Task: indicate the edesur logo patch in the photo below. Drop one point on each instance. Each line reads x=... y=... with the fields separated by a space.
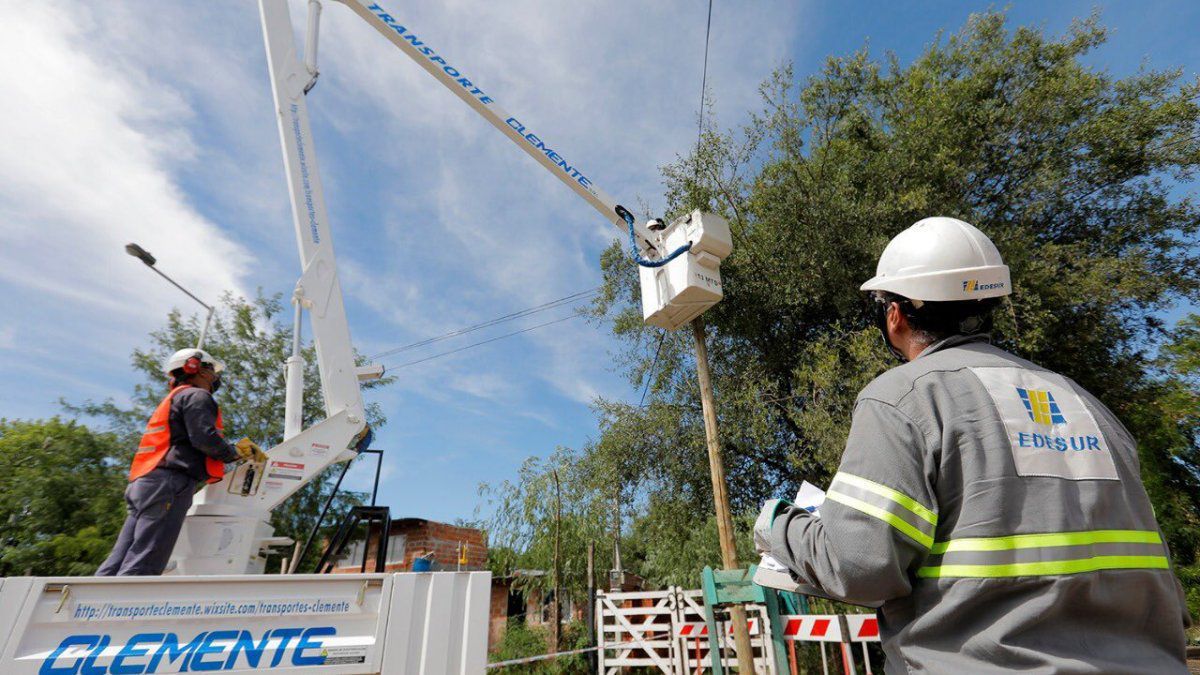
x=1041 y=406
x=1049 y=428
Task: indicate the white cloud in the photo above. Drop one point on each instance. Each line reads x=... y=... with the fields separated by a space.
x=124 y=122
x=87 y=166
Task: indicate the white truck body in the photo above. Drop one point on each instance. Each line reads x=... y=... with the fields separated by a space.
x=335 y=624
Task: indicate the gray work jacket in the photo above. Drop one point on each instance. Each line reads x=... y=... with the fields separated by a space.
x=194 y=435
x=994 y=509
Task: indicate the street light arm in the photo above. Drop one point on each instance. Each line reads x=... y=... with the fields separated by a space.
x=203 y=304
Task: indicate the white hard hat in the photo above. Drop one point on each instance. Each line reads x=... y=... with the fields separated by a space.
x=941 y=260
x=179 y=358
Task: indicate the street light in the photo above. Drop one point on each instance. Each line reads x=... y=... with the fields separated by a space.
x=144 y=255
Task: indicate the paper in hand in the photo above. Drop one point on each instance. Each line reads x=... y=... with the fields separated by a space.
x=810 y=497
x=771 y=572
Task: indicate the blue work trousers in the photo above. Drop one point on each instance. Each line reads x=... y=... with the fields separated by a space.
x=156 y=504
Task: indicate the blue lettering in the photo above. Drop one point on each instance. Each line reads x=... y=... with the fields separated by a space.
x=78 y=653
x=1060 y=443
x=207 y=647
x=285 y=636
x=451 y=71
x=298 y=657
x=89 y=667
x=48 y=667
x=585 y=182
x=464 y=82
x=516 y=125
x=1039 y=441
x=130 y=650
x=413 y=39
x=1093 y=443
x=246 y=644
x=485 y=100
x=426 y=51
x=173 y=650
x=438 y=59
x=1023 y=439
x=1077 y=443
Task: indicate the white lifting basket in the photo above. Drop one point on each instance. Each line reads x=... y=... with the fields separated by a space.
x=681 y=290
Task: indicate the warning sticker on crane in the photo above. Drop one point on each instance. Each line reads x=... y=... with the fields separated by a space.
x=286 y=470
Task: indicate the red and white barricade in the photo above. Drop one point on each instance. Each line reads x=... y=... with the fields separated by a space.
x=700 y=629
x=828 y=628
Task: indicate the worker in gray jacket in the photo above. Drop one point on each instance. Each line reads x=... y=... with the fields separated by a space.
x=991 y=508
x=183 y=446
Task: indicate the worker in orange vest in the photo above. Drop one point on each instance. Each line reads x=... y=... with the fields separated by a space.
x=183 y=446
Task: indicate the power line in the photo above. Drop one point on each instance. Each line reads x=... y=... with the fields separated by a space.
x=484 y=342
x=653 y=366
x=553 y=304
x=704 y=77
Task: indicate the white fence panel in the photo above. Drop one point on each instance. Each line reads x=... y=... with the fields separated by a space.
x=665 y=631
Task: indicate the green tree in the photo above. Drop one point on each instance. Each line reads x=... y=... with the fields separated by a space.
x=521 y=527
x=1075 y=175
x=61 y=497
x=1177 y=404
x=253 y=340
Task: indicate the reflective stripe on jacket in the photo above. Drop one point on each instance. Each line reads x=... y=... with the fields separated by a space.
x=994 y=510
x=156 y=441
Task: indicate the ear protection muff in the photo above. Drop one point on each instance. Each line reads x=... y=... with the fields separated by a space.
x=192 y=365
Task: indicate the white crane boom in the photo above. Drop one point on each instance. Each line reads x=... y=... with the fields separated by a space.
x=227 y=529
x=518 y=130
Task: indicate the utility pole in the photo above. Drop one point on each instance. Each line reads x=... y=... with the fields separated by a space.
x=716 y=466
x=590 y=619
x=617 y=531
x=556 y=609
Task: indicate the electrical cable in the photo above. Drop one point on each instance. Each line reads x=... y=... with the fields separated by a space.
x=653 y=365
x=637 y=256
x=704 y=76
x=553 y=304
x=484 y=342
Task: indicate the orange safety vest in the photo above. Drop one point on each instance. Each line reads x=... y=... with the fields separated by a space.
x=157 y=440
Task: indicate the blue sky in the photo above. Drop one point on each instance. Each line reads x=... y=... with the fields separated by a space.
x=152 y=122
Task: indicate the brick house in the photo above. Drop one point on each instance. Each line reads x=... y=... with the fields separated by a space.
x=412 y=538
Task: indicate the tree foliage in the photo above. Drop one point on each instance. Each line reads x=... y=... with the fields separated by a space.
x=1074 y=173
x=61 y=497
x=523 y=524
x=253 y=340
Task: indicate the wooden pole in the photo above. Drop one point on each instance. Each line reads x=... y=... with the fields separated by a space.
x=591 y=603
x=716 y=466
x=555 y=609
